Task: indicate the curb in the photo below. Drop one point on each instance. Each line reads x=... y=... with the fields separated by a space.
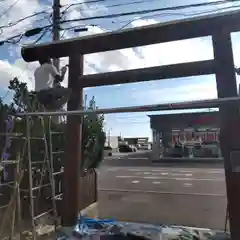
x=189 y=160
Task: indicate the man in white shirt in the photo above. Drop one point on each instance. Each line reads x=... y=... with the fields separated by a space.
x=47 y=85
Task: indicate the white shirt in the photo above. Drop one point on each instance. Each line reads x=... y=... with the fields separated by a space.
x=44 y=76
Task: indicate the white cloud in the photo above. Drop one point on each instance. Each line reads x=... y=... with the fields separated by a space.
x=16 y=12
x=196 y=89
x=8 y=72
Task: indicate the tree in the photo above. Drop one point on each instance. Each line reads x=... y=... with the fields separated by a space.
x=93 y=138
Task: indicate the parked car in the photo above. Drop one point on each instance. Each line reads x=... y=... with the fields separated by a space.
x=207 y=149
x=107 y=151
x=125 y=148
x=198 y=151
x=212 y=148
x=146 y=146
x=134 y=149
x=178 y=151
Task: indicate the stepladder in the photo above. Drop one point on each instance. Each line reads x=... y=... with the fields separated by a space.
x=33 y=184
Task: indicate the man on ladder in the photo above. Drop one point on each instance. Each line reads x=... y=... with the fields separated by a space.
x=48 y=90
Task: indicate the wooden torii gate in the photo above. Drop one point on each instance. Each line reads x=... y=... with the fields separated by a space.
x=218 y=26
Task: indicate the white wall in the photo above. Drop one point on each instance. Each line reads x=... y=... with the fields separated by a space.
x=112 y=141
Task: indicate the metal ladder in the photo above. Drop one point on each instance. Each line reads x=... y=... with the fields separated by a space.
x=47 y=169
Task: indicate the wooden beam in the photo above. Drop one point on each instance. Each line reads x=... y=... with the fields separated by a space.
x=229 y=122
x=157 y=33
x=148 y=74
x=73 y=145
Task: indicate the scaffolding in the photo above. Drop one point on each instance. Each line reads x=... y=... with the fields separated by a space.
x=26 y=190
x=37 y=179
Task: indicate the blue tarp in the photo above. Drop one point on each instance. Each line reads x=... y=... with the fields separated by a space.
x=89 y=228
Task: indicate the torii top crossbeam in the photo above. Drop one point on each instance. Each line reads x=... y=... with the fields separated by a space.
x=157 y=33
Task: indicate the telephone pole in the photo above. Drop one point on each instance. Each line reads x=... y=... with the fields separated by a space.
x=56 y=27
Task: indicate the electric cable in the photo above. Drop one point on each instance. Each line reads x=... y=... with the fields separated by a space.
x=128 y=22
x=180 y=7
x=11 y=39
x=9 y=9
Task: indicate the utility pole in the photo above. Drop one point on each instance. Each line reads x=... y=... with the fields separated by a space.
x=56 y=27
x=109 y=136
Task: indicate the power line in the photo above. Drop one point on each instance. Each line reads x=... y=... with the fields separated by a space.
x=81 y=3
x=9 y=9
x=33 y=32
x=95 y=1
x=38 y=30
x=109 y=6
x=180 y=7
x=128 y=22
x=145 y=1
x=28 y=33
x=23 y=19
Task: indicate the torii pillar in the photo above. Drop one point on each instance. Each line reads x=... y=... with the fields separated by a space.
x=73 y=159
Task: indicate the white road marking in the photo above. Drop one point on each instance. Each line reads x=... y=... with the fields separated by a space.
x=162 y=192
x=112 y=169
x=176 y=179
x=135 y=181
x=182 y=174
x=152 y=177
x=155 y=182
x=124 y=176
x=200 y=179
x=164 y=173
x=146 y=173
x=170 y=170
x=187 y=184
x=216 y=172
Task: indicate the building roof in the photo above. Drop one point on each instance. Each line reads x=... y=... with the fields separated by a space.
x=163 y=115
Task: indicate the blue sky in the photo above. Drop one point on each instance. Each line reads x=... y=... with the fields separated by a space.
x=152 y=92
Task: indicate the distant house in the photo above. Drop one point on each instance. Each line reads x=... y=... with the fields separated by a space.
x=136 y=140
x=112 y=141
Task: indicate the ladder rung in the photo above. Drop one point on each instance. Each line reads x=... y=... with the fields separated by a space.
x=11 y=134
x=42 y=214
x=36 y=138
x=6 y=184
x=22 y=138
x=41 y=186
x=57 y=173
x=58 y=196
x=55 y=133
x=1 y=207
x=58 y=152
x=39 y=162
x=8 y=162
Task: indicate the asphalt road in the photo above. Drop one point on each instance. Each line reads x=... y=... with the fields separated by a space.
x=166 y=195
